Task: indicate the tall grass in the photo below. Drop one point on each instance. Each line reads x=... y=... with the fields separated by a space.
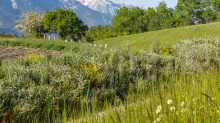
x=93 y=84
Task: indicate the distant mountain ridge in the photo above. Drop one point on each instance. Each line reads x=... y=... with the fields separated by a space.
x=92 y=12
x=103 y=6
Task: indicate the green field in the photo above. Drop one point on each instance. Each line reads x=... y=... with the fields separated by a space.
x=169 y=36
x=116 y=85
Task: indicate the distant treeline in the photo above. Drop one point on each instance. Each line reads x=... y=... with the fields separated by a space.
x=9 y=35
x=126 y=21
x=136 y=20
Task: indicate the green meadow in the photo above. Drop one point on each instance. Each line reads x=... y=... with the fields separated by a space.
x=169 y=36
x=167 y=76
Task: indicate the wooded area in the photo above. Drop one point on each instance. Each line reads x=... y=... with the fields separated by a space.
x=126 y=21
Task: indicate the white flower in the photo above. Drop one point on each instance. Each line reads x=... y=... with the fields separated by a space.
x=159 y=107
x=158 y=110
x=176 y=112
x=182 y=103
x=158 y=119
x=161 y=115
x=154 y=121
x=196 y=99
x=172 y=108
x=218 y=111
x=183 y=110
x=169 y=101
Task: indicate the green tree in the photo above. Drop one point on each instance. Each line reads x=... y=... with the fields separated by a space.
x=3 y=34
x=185 y=12
x=163 y=16
x=172 y=20
x=31 y=24
x=216 y=9
x=8 y=35
x=206 y=12
x=150 y=19
x=15 y=35
x=137 y=16
x=23 y=36
x=122 y=21
x=65 y=22
x=92 y=33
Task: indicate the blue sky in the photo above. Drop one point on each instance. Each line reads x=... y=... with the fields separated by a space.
x=147 y=3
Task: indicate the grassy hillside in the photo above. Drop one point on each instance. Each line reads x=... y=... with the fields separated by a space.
x=168 y=36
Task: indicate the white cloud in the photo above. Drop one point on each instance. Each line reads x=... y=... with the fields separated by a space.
x=14 y=4
x=135 y=4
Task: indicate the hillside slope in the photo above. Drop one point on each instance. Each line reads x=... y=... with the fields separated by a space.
x=169 y=36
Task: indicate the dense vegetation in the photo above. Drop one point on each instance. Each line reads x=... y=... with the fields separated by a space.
x=127 y=21
x=88 y=79
x=179 y=83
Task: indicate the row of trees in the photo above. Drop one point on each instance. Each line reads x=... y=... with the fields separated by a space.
x=126 y=21
x=136 y=20
x=8 y=35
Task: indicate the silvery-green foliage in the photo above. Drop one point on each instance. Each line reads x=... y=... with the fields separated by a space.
x=197 y=53
x=30 y=23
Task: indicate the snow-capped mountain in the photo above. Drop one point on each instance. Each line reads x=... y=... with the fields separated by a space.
x=103 y=6
x=92 y=12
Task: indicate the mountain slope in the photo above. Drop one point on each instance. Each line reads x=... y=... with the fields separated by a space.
x=103 y=6
x=10 y=9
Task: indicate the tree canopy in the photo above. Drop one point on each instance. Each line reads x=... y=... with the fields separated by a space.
x=31 y=24
x=65 y=22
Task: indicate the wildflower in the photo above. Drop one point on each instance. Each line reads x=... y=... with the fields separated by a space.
x=172 y=108
x=10 y=115
x=218 y=111
x=158 y=119
x=74 y=66
x=28 y=108
x=169 y=101
x=8 y=111
x=55 y=106
x=154 y=121
x=182 y=103
x=161 y=115
x=195 y=99
x=158 y=110
x=159 y=107
x=176 y=112
x=183 y=110
x=1 y=71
